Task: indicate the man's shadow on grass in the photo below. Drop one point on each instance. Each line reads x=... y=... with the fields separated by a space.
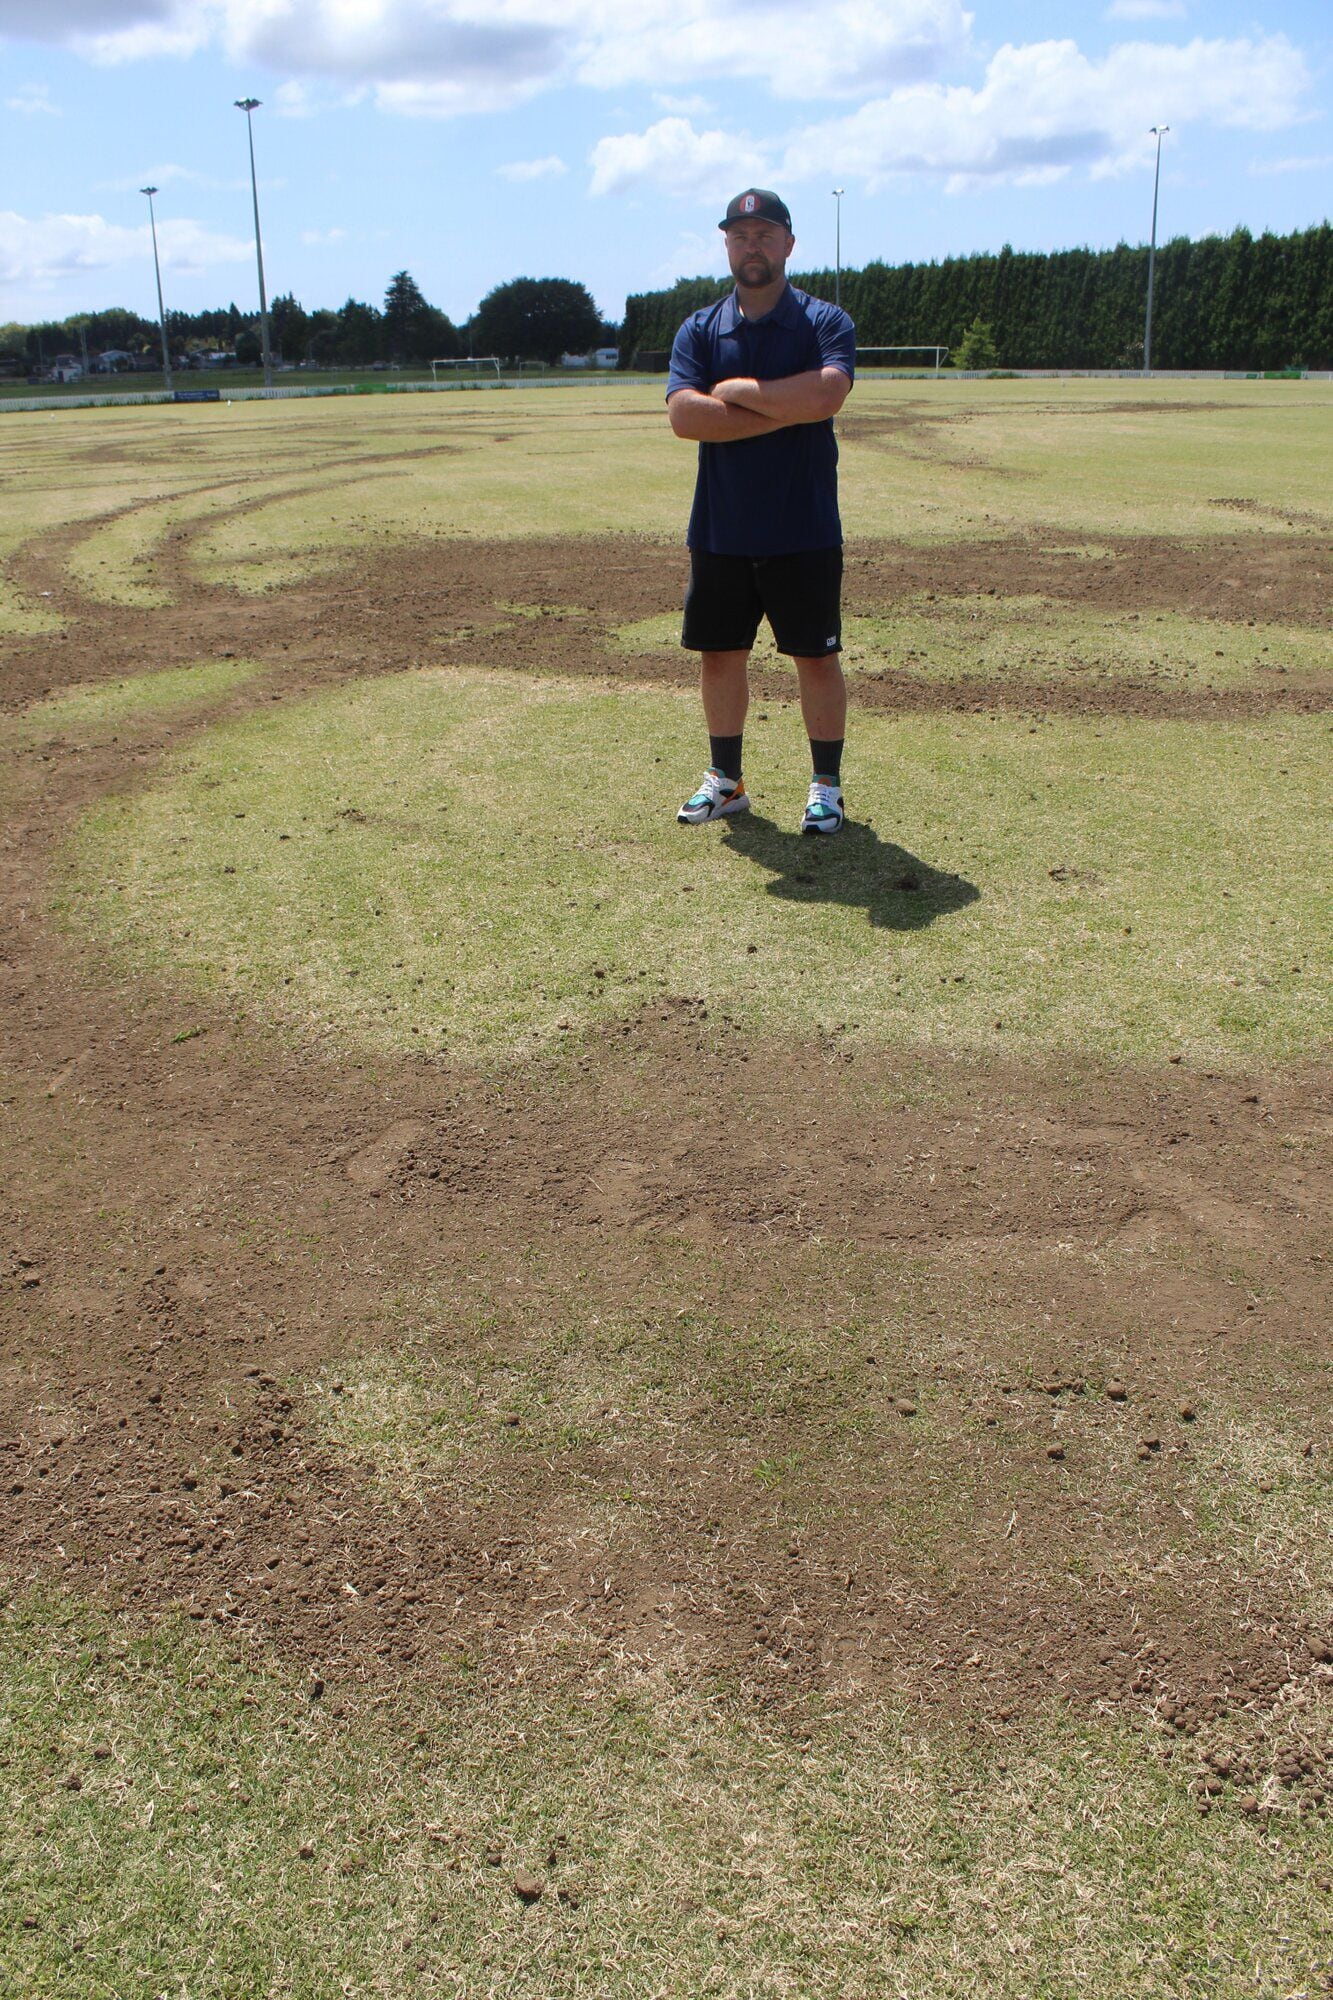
x=897 y=890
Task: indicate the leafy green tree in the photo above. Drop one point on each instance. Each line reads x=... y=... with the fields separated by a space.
x=322 y=340
x=414 y=330
x=360 y=336
x=536 y=319
x=289 y=328
x=249 y=348
x=651 y=318
x=977 y=347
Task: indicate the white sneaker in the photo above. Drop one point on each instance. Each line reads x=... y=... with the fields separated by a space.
x=716 y=797
x=823 y=808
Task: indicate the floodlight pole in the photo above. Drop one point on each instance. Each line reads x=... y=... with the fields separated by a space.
x=161 y=310
x=837 y=272
x=247 y=105
x=1152 y=250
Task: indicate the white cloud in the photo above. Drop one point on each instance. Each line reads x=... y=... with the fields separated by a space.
x=694 y=252
x=440 y=57
x=320 y=239
x=1046 y=109
x=41 y=250
x=683 y=107
x=1146 y=10
x=532 y=170
x=446 y=98
x=424 y=58
x=168 y=174
x=157 y=31
x=675 y=159
x=839 y=50
x=1041 y=110
x=33 y=100
x=1310 y=163
x=293 y=101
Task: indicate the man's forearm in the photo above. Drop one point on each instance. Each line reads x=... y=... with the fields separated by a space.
x=808 y=398
x=712 y=421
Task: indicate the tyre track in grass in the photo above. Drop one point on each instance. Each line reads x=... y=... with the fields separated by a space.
x=200 y=1216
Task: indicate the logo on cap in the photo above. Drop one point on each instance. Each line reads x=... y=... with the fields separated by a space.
x=750 y=204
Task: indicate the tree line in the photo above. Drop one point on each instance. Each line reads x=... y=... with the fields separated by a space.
x=1237 y=301
x=527 y=319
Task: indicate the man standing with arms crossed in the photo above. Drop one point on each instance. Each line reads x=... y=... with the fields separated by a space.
x=757 y=381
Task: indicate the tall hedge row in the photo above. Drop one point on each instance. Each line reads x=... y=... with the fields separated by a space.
x=1237 y=301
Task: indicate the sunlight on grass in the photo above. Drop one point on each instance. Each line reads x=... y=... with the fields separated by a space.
x=429 y=862
x=1083 y=458
x=178 y=1818
x=1033 y=638
x=23 y=617
x=921 y=462
x=165 y=692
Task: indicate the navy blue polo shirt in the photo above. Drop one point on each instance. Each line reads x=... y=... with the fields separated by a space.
x=777 y=494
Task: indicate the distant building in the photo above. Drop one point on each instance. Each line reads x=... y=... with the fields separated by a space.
x=112 y=360
x=607 y=357
x=65 y=368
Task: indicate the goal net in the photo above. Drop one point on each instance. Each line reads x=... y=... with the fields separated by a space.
x=937 y=353
x=465 y=364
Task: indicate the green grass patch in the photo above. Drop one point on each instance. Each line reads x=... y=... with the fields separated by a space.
x=1031 y=638
x=1083 y=460
x=165 y=692
x=181 y=1820
x=478 y=862
x=23 y=618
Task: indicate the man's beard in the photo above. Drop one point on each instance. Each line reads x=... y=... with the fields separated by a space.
x=755 y=272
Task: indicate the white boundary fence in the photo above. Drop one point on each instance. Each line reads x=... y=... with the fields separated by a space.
x=612 y=378
x=104 y=400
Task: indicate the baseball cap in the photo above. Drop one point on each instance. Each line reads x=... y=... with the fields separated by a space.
x=760 y=202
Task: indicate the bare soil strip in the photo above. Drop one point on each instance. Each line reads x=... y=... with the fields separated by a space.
x=421 y=602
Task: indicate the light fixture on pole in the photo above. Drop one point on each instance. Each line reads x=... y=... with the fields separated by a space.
x=1152 y=250
x=247 y=105
x=157 y=269
x=837 y=269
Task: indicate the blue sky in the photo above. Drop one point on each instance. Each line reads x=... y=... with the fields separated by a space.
x=478 y=140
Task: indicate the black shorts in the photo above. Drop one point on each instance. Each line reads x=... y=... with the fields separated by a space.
x=800 y=595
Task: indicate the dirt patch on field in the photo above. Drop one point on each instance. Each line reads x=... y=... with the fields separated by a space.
x=190 y=1226
x=905 y=422
x=444 y=601
x=1142 y=409
x=1291 y=517
x=201 y=1221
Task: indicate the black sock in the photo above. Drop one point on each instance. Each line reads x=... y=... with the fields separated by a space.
x=827 y=759
x=725 y=752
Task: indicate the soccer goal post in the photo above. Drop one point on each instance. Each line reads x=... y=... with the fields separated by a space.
x=924 y=348
x=478 y=363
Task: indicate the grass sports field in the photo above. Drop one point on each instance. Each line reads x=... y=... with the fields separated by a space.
x=592 y=1409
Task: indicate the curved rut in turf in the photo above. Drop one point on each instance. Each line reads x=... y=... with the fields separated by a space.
x=202 y=1218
